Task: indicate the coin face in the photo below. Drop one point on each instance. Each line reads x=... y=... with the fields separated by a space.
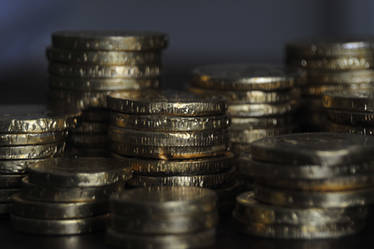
x=325 y=149
x=353 y=100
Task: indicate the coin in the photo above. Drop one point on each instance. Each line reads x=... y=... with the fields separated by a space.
x=79 y=172
x=167 y=153
x=23 y=207
x=351 y=118
x=175 y=139
x=180 y=241
x=90 y=127
x=58 y=226
x=322 y=148
x=250 y=135
x=98 y=71
x=89 y=140
x=110 y=40
x=242 y=77
x=248 y=210
x=16 y=166
x=260 y=110
x=169 y=123
x=50 y=193
x=240 y=148
x=333 y=127
x=261 y=122
x=103 y=57
x=31 y=151
x=311 y=199
x=33 y=119
x=354 y=100
x=318 y=90
x=32 y=138
x=163 y=201
x=95 y=115
x=11 y=181
x=151 y=167
x=351 y=62
x=360 y=77
x=166 y=102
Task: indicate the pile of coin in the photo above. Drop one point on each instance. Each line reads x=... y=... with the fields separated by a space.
x=261 y=100
x=163 y=217
x=172 y=138
x=86 y=66
x=28 y=134
x=308 y=186
x=65 y=196
x=329 y=64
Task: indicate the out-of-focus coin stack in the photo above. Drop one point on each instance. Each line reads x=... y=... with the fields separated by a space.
x=28 y=134
x=66 y=196
x=261 y=100
x=329 y=64
x=172 y=138
x=308 y=186
x=163 y=217
x=85 y=66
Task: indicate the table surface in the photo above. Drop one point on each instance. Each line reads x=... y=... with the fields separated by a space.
x=227 y=238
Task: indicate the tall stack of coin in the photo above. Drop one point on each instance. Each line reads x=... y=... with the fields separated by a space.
x=164 y=217
x=173 y=138
x=28 y=134
x=67 y=196
x=260 y=101
x=85 y=66
x=329 y=64
x=308 y=186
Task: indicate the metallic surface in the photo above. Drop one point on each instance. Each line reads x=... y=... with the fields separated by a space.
x=11 y=181
x=259 y=110
x=354 y=100
x=6 y=194
x=32 y=138
x=351 y=118
x=261 y=122
x=333 y=127
x=16 y=166
x=354 y=62
x=243 y=136
x=341 y=77
x=31 y=151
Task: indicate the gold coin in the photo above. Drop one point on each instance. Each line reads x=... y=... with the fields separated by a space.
x=360 y=77
x=351 y=118
x=16 y=166
x=349 y=100
x=110 y=40
x=32 y=138
x=261 y=122
x=89 y=140
x=79 y=172
x=251 y=135
x=242 y=77
x=31 y=151
x=260 y=110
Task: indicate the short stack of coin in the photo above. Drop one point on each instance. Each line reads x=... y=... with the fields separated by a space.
x=28 y=134
x=173 y=138
x=163 y=217
x=67 y=196
x=261 y=100
x=86 y=66
x=329 y=64
x=308 y=186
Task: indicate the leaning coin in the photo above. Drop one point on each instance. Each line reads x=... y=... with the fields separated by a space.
x=11 y=167
x=23 y=207
x=164 y=201
x=169 y=123
x=115 y=40
x=260 y=110
x=200 y=239
x=249 y=210
x=318 y=148
x=349 y=100
x=310 y=199
x=79 y=172
x=166 y=102
x=32 y=138
x=261 y=122
x=31 y=151
x=250 y=135
x=58 y=226
x=351 y=118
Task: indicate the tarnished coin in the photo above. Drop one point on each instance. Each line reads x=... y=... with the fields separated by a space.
x=333 y=127
x=89 y=140
x=90 y=127
x=50 y=193
x=16 y=166
x=103 y=57
x=98 y=71
x=200 y=239
x=250 y=135
x=353 y=100
x=79 y=172
x=249 y=210
x=261 y=122
x=95 y=115
x=7 y=193
x=351 y=118
x=151 y=167
x=175 y=139
x=311 y=199
x=115 y=40
x=169 y=123
x=31 y=151
x=351 y=77
x=242 y=77
x=260 y=110
x=166 y=153
x=59 y=226
x=33 y=119
x=23 y=207
x=99 y=84
x=166 y=102
x=153 y=202
x=318 y=148
x=352 y=62
x=32 y=138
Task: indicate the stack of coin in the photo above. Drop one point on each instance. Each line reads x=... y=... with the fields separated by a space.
x=86 y=66
x=308 y=186
x=260 y=101
x=28 y=134
x=172 y=138
x=163 y=217
x=329 y=64
x=67 y=196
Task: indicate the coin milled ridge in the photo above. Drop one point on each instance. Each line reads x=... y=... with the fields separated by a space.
x=32 y=138
x=354 y=100
x=31 y=151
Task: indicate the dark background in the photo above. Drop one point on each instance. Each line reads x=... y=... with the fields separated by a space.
x=201 y=32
